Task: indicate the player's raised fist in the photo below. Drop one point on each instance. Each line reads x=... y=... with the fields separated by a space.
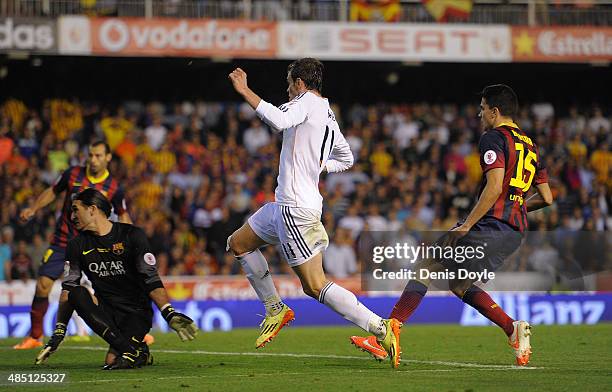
x=239 y=80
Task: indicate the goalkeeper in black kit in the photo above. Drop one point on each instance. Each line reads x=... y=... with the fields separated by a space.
x=116 y=258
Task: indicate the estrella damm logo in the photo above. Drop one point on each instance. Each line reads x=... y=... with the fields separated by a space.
x=118 y=248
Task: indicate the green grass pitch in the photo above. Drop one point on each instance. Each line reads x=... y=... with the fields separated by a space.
x=435 y=358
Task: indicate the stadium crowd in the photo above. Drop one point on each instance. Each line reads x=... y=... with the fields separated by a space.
x=194 y=171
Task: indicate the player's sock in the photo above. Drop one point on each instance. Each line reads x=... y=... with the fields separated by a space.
x=481 y=301
x=82 y=302
x=409 y=301
x=348 y=306
x=37 y=313
x=256 y=269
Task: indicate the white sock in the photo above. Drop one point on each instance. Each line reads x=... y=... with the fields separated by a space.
x=255 y=267
x=348 y=306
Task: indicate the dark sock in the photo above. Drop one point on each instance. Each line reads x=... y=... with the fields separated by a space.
x=37 y=313
x=481 y=301
x=95 y=318
x=409 y=301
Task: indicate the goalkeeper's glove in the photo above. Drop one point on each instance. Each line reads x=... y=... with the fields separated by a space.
x=58 y=336
x=183 y=325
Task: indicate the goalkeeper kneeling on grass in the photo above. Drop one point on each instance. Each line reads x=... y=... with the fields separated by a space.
x=117 y=259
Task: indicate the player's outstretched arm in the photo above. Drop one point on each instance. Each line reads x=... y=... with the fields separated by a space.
x=64 y=313
x=182 y=324
x=490 y=193
x=293 y=113
x=542 y=198
x=43 y=200
x=48 y=195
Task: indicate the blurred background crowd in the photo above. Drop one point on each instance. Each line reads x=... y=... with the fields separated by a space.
x=194 y=171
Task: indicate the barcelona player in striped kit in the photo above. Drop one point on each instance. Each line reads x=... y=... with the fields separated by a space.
x=511 y=164
x=75 y=179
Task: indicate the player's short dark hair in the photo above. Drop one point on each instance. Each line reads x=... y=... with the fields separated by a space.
x=310 y=70
x=502 y=97
x=97 y=143
x=93 y=197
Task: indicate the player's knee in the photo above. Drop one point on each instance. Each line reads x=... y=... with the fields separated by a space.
x=231 y=243
x=236 y=246
x=43 y=286
x=78 y=296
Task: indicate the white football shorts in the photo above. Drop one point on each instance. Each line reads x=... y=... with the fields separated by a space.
x=299 y=231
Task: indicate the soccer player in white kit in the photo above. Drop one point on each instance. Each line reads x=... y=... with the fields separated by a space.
x=312 y=143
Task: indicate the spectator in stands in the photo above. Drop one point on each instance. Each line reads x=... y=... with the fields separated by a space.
x=352 y=221
x=21 y=267
x=6 y=142
x=339 y=259
x=598 y=123
x=156 y=133
x=115 y=128
x=256 y=136
x=6 y=254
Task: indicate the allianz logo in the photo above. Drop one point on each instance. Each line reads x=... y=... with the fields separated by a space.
x=546 y=310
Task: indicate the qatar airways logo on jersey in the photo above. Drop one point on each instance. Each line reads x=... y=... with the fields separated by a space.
x=107 y=268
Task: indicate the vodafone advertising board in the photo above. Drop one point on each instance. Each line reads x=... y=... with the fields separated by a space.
x=398 y=42
x=182 y=37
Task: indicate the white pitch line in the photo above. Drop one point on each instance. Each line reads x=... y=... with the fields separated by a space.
x=326 y=356
x=473 y=365
x=240 y=375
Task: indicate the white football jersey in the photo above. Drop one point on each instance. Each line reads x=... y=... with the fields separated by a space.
x=312 y=141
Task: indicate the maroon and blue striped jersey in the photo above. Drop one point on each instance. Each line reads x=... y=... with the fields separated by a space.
x=73 y=181
x=510 y=148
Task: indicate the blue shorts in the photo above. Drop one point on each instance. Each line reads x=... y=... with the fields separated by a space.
x=53 y=262
x=495 y=241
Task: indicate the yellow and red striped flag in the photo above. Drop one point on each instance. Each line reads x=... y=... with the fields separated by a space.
x=441 y=10
x=375 y=10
